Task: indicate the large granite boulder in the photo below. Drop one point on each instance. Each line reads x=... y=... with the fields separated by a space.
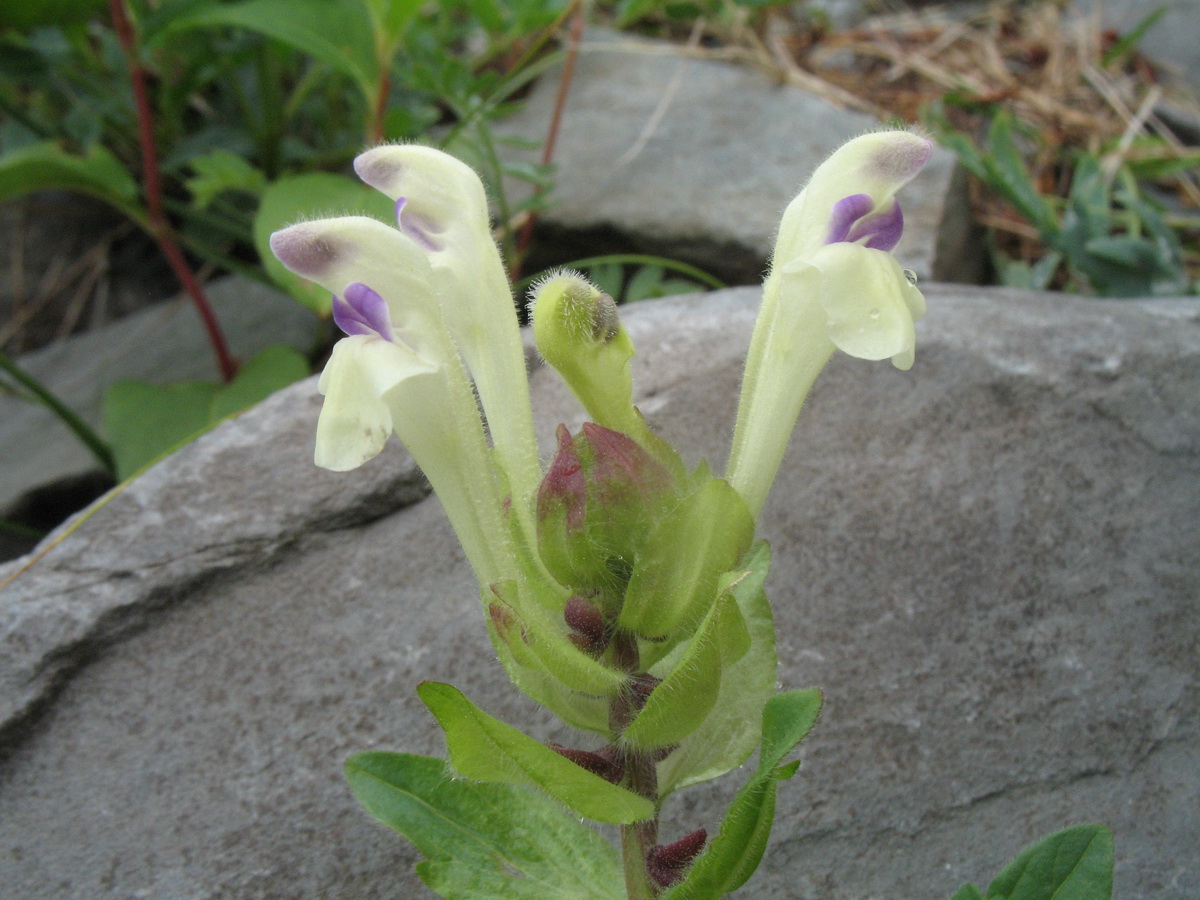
x=991 y=563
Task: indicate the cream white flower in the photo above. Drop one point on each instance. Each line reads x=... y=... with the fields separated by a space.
x=834 y=284
x=400 y=368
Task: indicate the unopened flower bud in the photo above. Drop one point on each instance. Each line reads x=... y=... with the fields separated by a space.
x=668 y=863
x=590 y=632
x=604 y=763
x=641 y=686
x=579 y=333
x=596 y=506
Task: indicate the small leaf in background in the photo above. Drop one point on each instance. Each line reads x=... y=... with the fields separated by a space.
x=484 y=748
x=1009 y=174
x=1073 y=864
x=390 y=18
x=967 y=892
x=338 y=34
x=484 y=841
x=36 y=167
x=1019 y=274
x=271 y=370
x=299 y=197
x=145 y=421
x=25 y=14
x=734 y=854
x=20 y=61
x=218 y=171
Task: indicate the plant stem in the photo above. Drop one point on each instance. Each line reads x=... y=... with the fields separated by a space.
x=641 y=777
x=560 y=102
x=82 y=430
x=375 y=130
x=160 y=226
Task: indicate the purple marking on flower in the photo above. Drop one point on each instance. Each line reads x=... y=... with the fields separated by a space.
x=418 y=228
x=882 y=230
x=362 y=312
x=845 y=213
x=851 y=221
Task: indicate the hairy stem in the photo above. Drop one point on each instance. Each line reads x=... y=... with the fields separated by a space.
x=641 y=777
x=159 y=226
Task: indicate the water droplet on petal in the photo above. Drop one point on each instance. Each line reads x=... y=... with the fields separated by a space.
x=874 y=314
x=911 y=276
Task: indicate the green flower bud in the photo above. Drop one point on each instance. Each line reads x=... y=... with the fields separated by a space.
x=579 y=333
x=600 y=500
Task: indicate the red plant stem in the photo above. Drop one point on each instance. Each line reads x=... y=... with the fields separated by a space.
x=159 y=225
x=375 y=134
x=560 y=102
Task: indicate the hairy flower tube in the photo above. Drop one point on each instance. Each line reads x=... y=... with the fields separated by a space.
x=833 y=285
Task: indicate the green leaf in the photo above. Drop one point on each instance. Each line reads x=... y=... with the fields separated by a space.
x=1089 y=208
x=967 y=892
x=1008 y=174
x=484 y=841
x=1073 y=864
x=678 y=706
x=1128 y=43
x=734 y=854
x=675 y=578
x=26 y=14
x=299 y=197
x=36 y=167
x=487 y=749
x=787 y=720
x=338 y=34
x=218 y=171
x=727 y=736
x=391 y=18
x=271 y=370
x=146 y=421
x=1036 y=277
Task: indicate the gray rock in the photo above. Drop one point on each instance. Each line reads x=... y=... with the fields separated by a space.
x=695 y=159
x=1170 y=41
x=991 y=563
x=162 y=344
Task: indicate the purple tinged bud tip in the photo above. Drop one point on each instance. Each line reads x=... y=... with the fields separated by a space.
x=589 y=630
x=564 y=483
x=619 y=460
x=904 y=155
x=603 y=762
x=377 y=169
x=362 y=311
x=303 y=250
x=417 y=228
x=668 y=863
